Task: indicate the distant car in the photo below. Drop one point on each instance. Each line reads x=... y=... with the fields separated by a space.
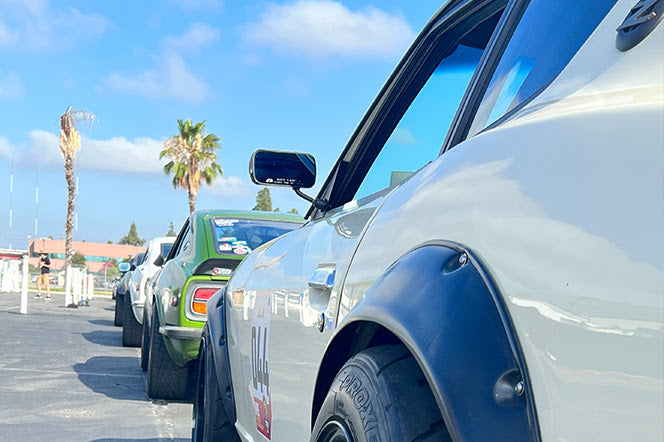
x=132 y=320
x=122 y=286
x=207 y=249
x=485 y=260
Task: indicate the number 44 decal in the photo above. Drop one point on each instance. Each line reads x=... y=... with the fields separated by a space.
x=260 y=365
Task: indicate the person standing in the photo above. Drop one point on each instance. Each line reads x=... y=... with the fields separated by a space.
x=44 y=276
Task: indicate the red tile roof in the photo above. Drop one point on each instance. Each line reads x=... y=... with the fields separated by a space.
x=118 y=251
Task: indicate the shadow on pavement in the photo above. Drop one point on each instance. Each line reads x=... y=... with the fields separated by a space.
x=107 y=338
x=108 y=322
x=115 y=377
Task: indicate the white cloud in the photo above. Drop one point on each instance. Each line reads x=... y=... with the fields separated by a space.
x=36 y=27
x=6 y=148
x=320 y=28
x=197 y=36
x=229 y=187
x=172 y=80
x=11 y=86
x=140 y=155
x=119 y=154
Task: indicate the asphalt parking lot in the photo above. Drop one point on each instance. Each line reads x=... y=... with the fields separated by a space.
x=64 y=376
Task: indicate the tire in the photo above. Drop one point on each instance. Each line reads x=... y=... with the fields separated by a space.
x=145 y=343
x=380 y=394
x=131 y=329
x=119 y=310
x=165 y=379
x=209 y=418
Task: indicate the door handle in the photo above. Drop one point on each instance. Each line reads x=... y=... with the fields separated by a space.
x=322 y=278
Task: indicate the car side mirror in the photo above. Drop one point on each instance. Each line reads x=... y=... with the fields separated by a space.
x=159 y=261
x=289 y=169
x=274 y=168
x=124 y=267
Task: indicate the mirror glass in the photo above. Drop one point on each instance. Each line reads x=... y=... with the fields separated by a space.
x=290 y=169
x=124 y=267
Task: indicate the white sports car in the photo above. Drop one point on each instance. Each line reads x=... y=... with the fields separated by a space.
x=485 y=261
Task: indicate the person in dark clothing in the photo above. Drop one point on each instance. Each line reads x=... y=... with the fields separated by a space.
x=44 y=268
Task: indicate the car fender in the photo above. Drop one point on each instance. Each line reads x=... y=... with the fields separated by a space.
x=216 y=323
x=438 y=301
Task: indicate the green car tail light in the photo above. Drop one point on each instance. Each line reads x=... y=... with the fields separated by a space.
x=199 y=300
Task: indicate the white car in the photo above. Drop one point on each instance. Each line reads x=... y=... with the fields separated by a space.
x=485 y=260
x=132 y=320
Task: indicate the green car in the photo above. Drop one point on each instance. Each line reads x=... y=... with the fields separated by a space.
x=208 y=248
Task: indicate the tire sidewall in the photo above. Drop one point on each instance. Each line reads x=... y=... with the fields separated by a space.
x=357 y=402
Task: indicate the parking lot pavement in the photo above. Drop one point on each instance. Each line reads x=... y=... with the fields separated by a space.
x=64 y=376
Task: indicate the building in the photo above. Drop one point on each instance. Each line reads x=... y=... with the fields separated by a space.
x=12 y=253
x=96 y=254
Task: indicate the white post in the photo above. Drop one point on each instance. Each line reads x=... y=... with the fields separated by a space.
x=24 y=286
x=91 y=285
x=76 y=286
x=68 y=299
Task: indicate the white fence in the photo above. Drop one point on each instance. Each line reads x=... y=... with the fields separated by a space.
x=79 y=285
x=10 y=275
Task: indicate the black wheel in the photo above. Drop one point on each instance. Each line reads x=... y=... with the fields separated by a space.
x=165 y=379
x=119 y=310
x=380 y=394
x=145 y=342
x=131 y=329
x=209 y=418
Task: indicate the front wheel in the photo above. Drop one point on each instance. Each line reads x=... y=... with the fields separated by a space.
x=209 y=418
x=145 y=342
x=119 y=310
x=380 y=394
x=131 y=329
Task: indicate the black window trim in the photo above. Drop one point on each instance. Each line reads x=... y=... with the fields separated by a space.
x=363 y=142
x=475 y=92
x=178 y=240
x=478 y=84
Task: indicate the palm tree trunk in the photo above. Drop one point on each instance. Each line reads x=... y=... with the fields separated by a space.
x=69 y=222
x=192 y=202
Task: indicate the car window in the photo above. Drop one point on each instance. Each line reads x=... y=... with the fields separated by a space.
x=165 y=249
x=419 y=135
x=182 y=242
x=407 y=124
x=545 y=40
x=177 y=245
x=241 y=236
x=186 y=241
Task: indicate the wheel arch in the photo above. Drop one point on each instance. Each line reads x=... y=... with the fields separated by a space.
x=439 y=302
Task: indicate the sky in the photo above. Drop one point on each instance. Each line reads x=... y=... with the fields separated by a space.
x=289 y=75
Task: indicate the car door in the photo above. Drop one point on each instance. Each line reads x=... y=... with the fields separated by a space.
x=283 y=301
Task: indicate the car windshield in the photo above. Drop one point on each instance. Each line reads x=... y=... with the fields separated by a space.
x=165 y=249
x=240 y=236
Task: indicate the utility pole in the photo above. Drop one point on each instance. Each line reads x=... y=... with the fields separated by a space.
x=11 y=193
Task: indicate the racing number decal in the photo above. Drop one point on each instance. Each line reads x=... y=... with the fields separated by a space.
x=260 y=365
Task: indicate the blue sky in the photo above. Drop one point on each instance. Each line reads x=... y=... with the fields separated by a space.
x=263 y=74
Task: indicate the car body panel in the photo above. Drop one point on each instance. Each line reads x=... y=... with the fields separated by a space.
x=143 y=272
x=561 y=203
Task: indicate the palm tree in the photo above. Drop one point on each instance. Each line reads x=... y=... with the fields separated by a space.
x=193 y=158
x=70 y=143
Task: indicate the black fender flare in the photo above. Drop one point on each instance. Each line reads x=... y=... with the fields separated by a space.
x=439 y=302
x=216 y=323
